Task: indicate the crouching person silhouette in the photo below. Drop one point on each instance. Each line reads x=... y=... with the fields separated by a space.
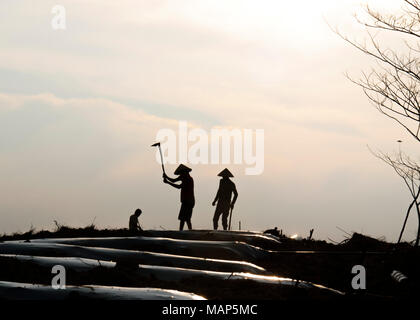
x=187 y=194
x=224 y=199
x=133 y=224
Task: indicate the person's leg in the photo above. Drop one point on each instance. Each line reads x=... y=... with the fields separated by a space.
x=189 y=216
x=216 y=219
x=181 y=216
x=222 y=209
x=224 y=221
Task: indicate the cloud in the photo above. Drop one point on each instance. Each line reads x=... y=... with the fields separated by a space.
x=72 y=160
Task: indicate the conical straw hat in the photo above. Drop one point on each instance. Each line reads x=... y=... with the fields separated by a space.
x=225 y=173
x=181 y=168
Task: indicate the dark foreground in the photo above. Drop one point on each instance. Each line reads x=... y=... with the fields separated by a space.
x=213 y=265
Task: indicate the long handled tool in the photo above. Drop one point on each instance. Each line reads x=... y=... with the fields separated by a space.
x=157 y=144
x=230 y=217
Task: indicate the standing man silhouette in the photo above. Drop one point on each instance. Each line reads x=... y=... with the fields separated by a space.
x=187 y=194
x=224 y=198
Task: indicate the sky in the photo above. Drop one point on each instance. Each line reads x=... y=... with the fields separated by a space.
x=80 y=107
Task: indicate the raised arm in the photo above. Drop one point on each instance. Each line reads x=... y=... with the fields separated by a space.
x=177 y=186
x=171 y=179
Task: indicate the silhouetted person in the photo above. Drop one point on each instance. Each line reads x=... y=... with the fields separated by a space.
x=224 y=199
x=134 y=224
x=187 y=194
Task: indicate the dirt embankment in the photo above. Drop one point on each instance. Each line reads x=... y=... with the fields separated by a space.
x=307 y=260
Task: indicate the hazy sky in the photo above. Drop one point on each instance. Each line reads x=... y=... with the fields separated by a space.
x=80 y=107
